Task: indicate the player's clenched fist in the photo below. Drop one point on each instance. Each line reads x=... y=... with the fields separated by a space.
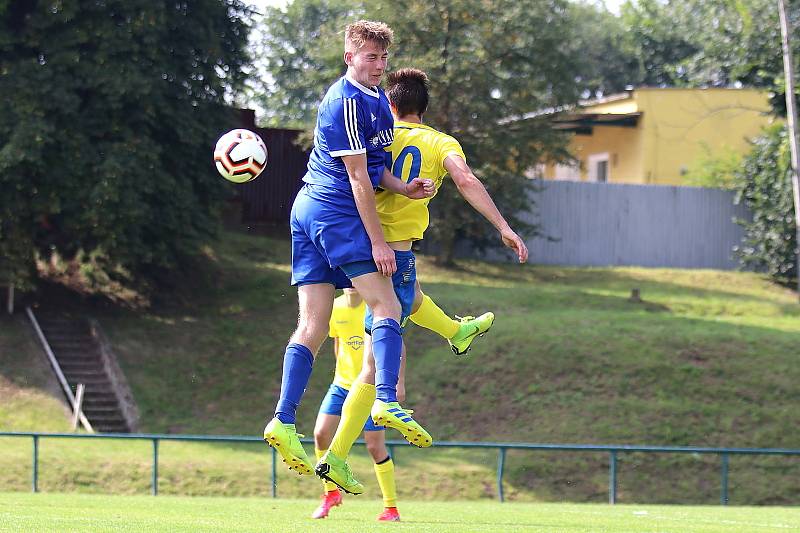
x=417 y=189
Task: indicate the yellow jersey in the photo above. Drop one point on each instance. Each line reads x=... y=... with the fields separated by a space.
x=347 y=324
x=418 y=151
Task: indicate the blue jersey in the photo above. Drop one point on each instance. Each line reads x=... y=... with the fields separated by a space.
x=352 y=120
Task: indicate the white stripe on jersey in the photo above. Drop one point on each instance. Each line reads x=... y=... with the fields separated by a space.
x=351 y=124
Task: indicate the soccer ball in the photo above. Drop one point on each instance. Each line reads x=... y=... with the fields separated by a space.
x=240 y=156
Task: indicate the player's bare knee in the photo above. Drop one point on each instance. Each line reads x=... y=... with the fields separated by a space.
x=375 y=445
x=388 y=309
x=322 y=438
x=309 y=335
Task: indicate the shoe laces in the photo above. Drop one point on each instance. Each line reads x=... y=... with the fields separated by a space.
x=465 y=318
x=348 y=473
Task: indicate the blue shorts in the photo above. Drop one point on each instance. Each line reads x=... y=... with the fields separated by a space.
x=332 y=405
x=327 y=234
x=404 y=281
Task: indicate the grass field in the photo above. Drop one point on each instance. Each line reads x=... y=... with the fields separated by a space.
x=62 y=512
x=708 y=358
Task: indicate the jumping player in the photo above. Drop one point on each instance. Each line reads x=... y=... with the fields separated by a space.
x=416 y=151
x=337 y=239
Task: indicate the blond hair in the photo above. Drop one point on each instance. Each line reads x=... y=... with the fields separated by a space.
x=358 y=33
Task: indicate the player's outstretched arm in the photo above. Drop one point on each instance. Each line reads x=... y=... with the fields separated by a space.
x=415 y=189
x=478 y=197
x=365 y=203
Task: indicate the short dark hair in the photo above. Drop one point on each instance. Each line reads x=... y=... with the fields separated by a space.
x=407 y=90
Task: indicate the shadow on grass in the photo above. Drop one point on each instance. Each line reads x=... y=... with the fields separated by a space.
x=609 y=278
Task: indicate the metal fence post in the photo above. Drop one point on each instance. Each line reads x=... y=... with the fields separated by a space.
x=723 y=498
x=274 y=476
x=35 y=475
x=612 y=478
x=154 y=482
x=501 y=463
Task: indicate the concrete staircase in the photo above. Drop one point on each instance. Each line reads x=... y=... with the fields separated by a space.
x=84 y=357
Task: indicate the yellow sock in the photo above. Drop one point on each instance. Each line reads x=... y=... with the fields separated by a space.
x=385 y=474
x=355 y=411
x=430 y=316
x=328 y=485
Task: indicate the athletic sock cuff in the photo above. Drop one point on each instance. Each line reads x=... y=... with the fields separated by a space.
x=301 y=348
x=389 y=323
x=363 y=393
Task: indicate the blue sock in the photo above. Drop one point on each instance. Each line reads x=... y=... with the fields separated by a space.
x=297 y=364
x=387 y=347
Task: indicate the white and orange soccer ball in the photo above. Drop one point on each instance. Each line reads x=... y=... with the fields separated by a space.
x=240 y=156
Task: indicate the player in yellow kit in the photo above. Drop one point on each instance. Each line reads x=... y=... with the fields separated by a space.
x=347 y=331
x=416 y=151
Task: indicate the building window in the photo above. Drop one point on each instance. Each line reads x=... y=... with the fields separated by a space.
x=598 y=167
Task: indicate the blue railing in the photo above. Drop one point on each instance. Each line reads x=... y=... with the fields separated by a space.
x=501 y=447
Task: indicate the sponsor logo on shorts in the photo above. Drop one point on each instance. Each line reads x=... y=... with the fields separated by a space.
x=409 y=271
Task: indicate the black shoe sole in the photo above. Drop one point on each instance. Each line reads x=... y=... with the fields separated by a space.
x=322 y=471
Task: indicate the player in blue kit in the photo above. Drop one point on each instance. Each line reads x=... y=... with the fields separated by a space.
x=337 y=240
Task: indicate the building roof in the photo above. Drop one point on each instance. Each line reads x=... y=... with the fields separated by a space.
x=583 y=122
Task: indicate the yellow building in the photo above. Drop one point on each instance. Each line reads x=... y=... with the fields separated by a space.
x=652 y=135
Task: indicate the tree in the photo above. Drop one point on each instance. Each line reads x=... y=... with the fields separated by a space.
x=702 y=43
x=658 y=41
x=487 y=60
x=299 y=56
x=598 y=43
x=764 y=186
x=108 y=116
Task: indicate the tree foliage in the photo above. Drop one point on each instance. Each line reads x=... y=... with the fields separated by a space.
x=487 y=61
x=717 y=43
x=598 y=42
x=299 y=56
x=107 y=116
x=764 y=186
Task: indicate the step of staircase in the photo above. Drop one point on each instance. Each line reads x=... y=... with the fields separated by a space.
x=78 y=355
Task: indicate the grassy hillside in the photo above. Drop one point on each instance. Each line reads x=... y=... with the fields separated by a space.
x=708 y=358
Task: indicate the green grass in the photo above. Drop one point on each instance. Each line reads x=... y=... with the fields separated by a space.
x=708 y=358
x=61 y=512
x=29 y=393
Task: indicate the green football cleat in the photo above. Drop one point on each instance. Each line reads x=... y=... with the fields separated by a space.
x=337 y=471
x=285 y=439
x=470 y=329
x=393 y=416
